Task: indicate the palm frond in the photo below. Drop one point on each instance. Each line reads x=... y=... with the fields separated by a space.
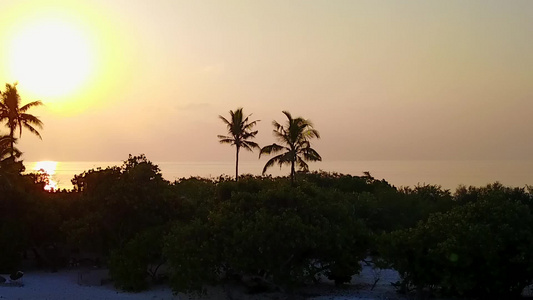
x=311 y=133
x=282 y=137
x=304 y=144
x=248 y=145
x=274 y=148
x=310 y=154
x=271 y=162
x=32 y=130
x=224 y=120
x=278 y=127
x=227 y=141
x=250 y=125
x=5 y=147
x=30 y=105
x=286 y=158
x=247 y=135
x=302 y=165
x=5 y=141
x=288 y=114
x=31 y=119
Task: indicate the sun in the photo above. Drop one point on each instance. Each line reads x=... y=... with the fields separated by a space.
x=50 y=57
x=71 y=55
x=49 y=168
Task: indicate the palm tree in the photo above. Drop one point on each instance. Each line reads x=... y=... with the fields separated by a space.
x=7 y=154
x=239 y=134
x=16 y=116
x=6 y=143
x=8 y=165
x=294 y=137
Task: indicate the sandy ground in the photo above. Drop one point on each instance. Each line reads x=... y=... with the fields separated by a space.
x=64 y=285
x=362 y=286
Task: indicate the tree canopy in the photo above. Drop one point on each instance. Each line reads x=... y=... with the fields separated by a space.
x=239 y=135
x=16 y=116
x=295 y=138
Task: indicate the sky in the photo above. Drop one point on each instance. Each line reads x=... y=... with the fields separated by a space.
x=380 y=80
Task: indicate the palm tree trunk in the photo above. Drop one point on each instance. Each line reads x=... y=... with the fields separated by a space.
x=12 y=141
x=292 y=172
x=237 y=165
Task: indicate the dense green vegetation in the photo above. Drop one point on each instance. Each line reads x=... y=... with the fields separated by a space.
x=269 y=233
x=480 y=248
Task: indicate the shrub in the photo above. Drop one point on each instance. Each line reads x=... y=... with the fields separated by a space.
x=482 y=249
x=283 y=236
x=128 y=266
x=193 y=256
x=11 y=239
x=118 y=203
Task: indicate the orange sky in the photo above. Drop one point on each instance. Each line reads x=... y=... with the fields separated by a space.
x=380 y=79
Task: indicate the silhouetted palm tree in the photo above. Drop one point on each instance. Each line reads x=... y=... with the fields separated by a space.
x=6 y=143
x=15 y=115
x=239 y=134
x=8 y=165
x=294 y=137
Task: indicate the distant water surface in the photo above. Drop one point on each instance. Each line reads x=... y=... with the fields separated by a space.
x=449 y=174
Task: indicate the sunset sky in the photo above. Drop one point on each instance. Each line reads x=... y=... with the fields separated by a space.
x=381 y=80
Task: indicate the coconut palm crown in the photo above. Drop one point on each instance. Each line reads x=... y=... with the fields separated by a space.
x=16 y=115
x=239 y=134
x=294 y=138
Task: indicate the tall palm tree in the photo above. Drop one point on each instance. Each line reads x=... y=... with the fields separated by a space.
x=294 y=137
x=239 y=134
x=16 y=115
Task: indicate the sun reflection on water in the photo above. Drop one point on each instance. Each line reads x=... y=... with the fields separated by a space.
x=48 y=167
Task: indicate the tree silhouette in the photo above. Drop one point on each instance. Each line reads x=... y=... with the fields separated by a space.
x=16 y=116
x=239 y=134
x=6 y=143
x=8 y=165
x=295 y=136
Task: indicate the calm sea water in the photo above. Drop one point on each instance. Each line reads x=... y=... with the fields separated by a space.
x=448 y=174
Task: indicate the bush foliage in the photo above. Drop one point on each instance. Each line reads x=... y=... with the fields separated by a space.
x=284 y=235
x=269 y=233
x=483 y=248
x=129 y=264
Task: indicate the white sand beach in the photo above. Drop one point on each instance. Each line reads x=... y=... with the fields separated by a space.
x=64 y=285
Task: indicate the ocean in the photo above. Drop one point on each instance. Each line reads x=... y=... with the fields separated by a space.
x=447 y=173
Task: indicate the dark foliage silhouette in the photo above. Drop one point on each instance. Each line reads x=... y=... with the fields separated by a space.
x=16 y=115
x=8 y=155
x=295 y=138
x=480 y=249
x=239 y=134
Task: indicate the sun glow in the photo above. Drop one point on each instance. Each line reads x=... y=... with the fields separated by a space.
x=52 y=58
x=48 y=168
x=68 y=54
